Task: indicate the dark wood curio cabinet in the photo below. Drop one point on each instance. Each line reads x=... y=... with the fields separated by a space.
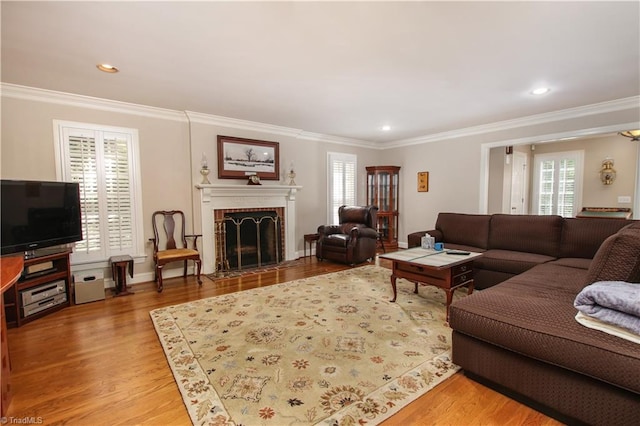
x=383 y=186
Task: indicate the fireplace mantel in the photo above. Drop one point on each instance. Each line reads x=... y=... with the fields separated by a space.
x=230 y=196
x=230 y=190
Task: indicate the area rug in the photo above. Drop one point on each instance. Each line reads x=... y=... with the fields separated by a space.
x=220 y=275
x=324 y=350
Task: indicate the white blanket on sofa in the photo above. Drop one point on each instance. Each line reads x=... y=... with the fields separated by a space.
x=596 y=324
x=615 y=303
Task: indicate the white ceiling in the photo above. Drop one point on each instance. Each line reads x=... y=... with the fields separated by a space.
x=342 y=68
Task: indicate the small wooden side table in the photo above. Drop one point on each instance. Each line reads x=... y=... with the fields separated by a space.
x=310 y=239
x=119 y=265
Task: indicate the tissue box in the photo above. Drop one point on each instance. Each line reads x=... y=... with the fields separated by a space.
x=427 y=242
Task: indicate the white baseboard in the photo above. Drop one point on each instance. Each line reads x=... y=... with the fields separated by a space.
x=147 y=277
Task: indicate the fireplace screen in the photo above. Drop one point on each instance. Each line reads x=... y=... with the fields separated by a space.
x=248 y=239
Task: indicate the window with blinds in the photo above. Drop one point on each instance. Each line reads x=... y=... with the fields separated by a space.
x=558 y=183
x=103 y=160
x=341 y=182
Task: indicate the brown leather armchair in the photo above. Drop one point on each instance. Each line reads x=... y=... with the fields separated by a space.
x=354 y=240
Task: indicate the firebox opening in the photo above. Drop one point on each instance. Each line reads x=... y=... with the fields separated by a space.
x=252 y=239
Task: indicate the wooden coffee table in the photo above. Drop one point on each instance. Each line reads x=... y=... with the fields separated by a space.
x=430 y=267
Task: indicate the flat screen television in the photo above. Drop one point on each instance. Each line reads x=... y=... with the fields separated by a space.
x=38 y=214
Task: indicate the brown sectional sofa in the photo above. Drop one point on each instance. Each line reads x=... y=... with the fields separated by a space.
x=513 y=244
x=520 y=336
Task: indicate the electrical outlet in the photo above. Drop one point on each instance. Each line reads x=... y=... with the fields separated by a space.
x=624 y=199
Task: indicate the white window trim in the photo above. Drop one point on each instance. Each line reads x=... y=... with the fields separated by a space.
x=538 y=158
x=60 y=158
x=331 y=156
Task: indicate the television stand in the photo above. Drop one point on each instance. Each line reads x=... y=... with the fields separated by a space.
x=36 y=295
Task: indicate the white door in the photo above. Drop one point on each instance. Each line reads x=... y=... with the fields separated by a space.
x=519 y=184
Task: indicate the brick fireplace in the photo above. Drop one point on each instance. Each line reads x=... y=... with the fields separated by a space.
x=216 y=199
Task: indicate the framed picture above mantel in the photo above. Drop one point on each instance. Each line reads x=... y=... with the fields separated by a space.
x=239 y=158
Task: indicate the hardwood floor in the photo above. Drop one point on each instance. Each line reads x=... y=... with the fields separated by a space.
x=101 y=363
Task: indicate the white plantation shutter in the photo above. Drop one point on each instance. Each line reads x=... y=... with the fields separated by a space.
x=342 y=182
x=84 y=170
x=118 y=193
x=558 y=183
x=103 y=160
x=567 y=188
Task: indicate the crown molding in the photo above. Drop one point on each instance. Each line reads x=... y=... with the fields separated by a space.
x=337 y=140
x=81 y=101
x=532 y=120
x=217 y=120
x=70 y=99
x=562 y=136
x=236 y=123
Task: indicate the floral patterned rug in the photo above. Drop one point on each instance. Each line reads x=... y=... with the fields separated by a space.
x=326 y=350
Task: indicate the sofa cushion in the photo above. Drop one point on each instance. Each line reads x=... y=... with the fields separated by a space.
x=582 y=237
x=463 y=247
x=485 y=278
x=618 y=258
x=364 y=215
x=464 y=229
x=526 y=233
x=336 y=240
x=573 y=262
x=532 y=314
x=511 y=262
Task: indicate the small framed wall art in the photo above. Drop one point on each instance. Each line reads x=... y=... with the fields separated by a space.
x=423 y=181
x=240 y=158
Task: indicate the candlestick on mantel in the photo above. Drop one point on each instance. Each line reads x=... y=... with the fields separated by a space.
x=204 y=170
x=291 y=175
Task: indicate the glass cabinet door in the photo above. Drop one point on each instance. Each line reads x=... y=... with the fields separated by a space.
x=383 y=227
x=383 y=177
x=371 y=193
x=383 y=186
x=395 y=192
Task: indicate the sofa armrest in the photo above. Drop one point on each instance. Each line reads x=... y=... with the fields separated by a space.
x=361 y=232
x=438 y=235
x=414 y=239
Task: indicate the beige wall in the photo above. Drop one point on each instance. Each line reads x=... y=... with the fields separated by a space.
x=171 y=148
x=457 y=182
x=27 y=149
x=170 y=152
x=453 y=166
x=594 y=194
x=310 y=162
x=498 y=171
x=624 y=153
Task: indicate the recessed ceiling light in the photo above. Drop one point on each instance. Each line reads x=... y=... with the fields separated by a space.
x=386 y=128
x=540 y=91
x=107 y=68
